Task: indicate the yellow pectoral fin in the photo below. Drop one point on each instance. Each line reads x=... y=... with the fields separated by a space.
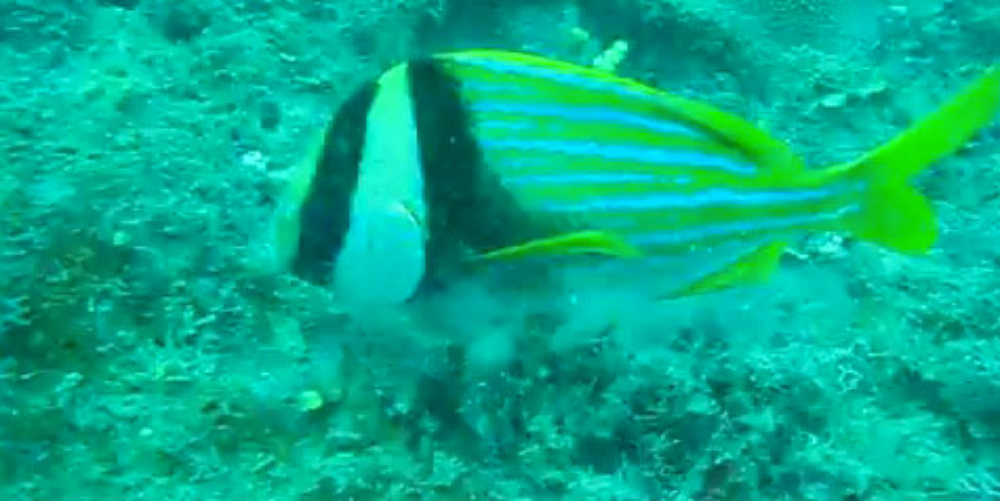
x=755 y=267
x=583 y=242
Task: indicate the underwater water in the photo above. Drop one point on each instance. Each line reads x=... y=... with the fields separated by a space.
x=144 y=354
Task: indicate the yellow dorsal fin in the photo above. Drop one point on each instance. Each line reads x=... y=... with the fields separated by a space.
x=759 y=146
x=754 y=143
x=582 y=242
x=754 y=267
x=767 y=152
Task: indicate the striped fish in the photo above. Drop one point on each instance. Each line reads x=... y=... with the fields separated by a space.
x=520 y=156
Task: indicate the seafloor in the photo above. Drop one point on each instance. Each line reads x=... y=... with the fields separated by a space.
x=144 y=356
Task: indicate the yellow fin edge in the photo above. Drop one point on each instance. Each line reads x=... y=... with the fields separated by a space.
x=578 y=243
x=754 y=267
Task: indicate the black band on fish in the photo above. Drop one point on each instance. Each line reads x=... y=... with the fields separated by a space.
x=468 y=205
x=325 y=214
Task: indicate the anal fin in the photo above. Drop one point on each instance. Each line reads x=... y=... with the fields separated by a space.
x=577 y=243
x=753 y=267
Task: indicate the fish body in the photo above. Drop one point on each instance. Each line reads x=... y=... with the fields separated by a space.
x=508 y=156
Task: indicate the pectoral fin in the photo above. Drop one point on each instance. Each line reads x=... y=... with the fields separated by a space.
x=583 y=242
x=754 y=267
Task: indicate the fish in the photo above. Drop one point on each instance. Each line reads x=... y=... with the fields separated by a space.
x=487 y=156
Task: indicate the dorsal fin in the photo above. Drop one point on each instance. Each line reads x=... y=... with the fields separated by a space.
x=758 y=147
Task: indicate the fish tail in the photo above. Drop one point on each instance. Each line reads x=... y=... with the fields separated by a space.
x=892 y=212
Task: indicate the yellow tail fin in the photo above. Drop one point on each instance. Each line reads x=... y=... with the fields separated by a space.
x=893 y=213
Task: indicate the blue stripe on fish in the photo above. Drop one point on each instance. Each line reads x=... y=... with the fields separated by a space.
x=650 y=155
x=589 y=178
x=712 y=197
x=586 y=114
x=511 y=166
x=506 y=125
x=694 y=235
x=521 y=165
x=497 y=88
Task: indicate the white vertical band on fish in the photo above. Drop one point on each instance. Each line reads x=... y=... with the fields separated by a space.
x=382 y=260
